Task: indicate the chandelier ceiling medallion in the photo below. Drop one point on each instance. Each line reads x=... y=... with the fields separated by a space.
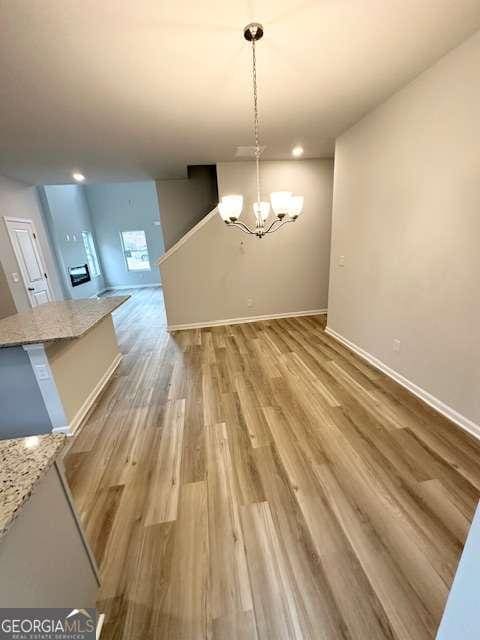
x=285 y=205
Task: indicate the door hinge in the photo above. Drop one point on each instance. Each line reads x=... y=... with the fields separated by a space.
x=34 y=236
x=46 y=277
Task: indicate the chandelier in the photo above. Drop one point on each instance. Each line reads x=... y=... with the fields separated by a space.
x=285 y=205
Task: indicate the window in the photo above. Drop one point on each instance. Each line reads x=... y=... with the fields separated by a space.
x=135 y=250
x=92 y=258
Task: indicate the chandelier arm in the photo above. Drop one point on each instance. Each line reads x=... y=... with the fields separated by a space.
x=281 y=224
x=269 y=228
x=242 y=226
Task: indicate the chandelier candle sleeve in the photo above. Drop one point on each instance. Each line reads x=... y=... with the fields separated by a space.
x=285 y=205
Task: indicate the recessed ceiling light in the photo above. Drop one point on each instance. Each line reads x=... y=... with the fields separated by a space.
x=297 y=151
x=79 y=177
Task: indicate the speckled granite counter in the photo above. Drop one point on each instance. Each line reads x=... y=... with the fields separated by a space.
x=23 y=462
x=56 y=321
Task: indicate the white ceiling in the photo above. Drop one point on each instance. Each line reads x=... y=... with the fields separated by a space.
x=128 y=90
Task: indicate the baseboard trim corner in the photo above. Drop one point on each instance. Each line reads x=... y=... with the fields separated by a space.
x=227 y=321
x=90 y=400
x=444 y=409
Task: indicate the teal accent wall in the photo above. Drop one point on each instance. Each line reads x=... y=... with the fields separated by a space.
x=126 y=206
x=67 y=214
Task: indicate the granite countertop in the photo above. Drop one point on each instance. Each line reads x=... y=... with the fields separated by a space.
x=56 y=320
x=23 y=462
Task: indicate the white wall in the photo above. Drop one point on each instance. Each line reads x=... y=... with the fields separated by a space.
x=213 y=275
x=21 y=201
x=406 y=216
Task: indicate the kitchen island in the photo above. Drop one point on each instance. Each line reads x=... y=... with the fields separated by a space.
x=45 y=560
x=55 y=360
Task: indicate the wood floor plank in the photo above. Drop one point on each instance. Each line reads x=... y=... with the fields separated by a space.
x=248 y=483
x=276 y=611
x=235 y=626
x=318 y=614
x=260 y=482
x=407 y=617
x=400 y=535
x=230 y=589
x=440 y=501
x=165 y=482
x=183 y=613
x=359 y=607
x=149 y=584
x=254 y=419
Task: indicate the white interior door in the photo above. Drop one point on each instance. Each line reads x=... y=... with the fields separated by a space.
x=30 y=259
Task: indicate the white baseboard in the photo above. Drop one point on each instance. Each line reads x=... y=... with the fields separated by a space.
x=99 y=293
x=132 y=286
x=220 y=323
x=90 y=400
x=465 y=423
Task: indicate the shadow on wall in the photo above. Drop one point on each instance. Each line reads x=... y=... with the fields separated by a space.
x=184 y=202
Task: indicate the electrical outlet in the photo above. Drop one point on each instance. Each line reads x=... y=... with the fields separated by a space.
x=396 y=345
x=42 y=372
x=341 y=261
x=249 y=302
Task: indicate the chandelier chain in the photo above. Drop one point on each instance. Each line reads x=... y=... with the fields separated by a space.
x=286 y=207
x=255 y=118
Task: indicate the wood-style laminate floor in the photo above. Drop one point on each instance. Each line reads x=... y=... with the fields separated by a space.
x=261 y=481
